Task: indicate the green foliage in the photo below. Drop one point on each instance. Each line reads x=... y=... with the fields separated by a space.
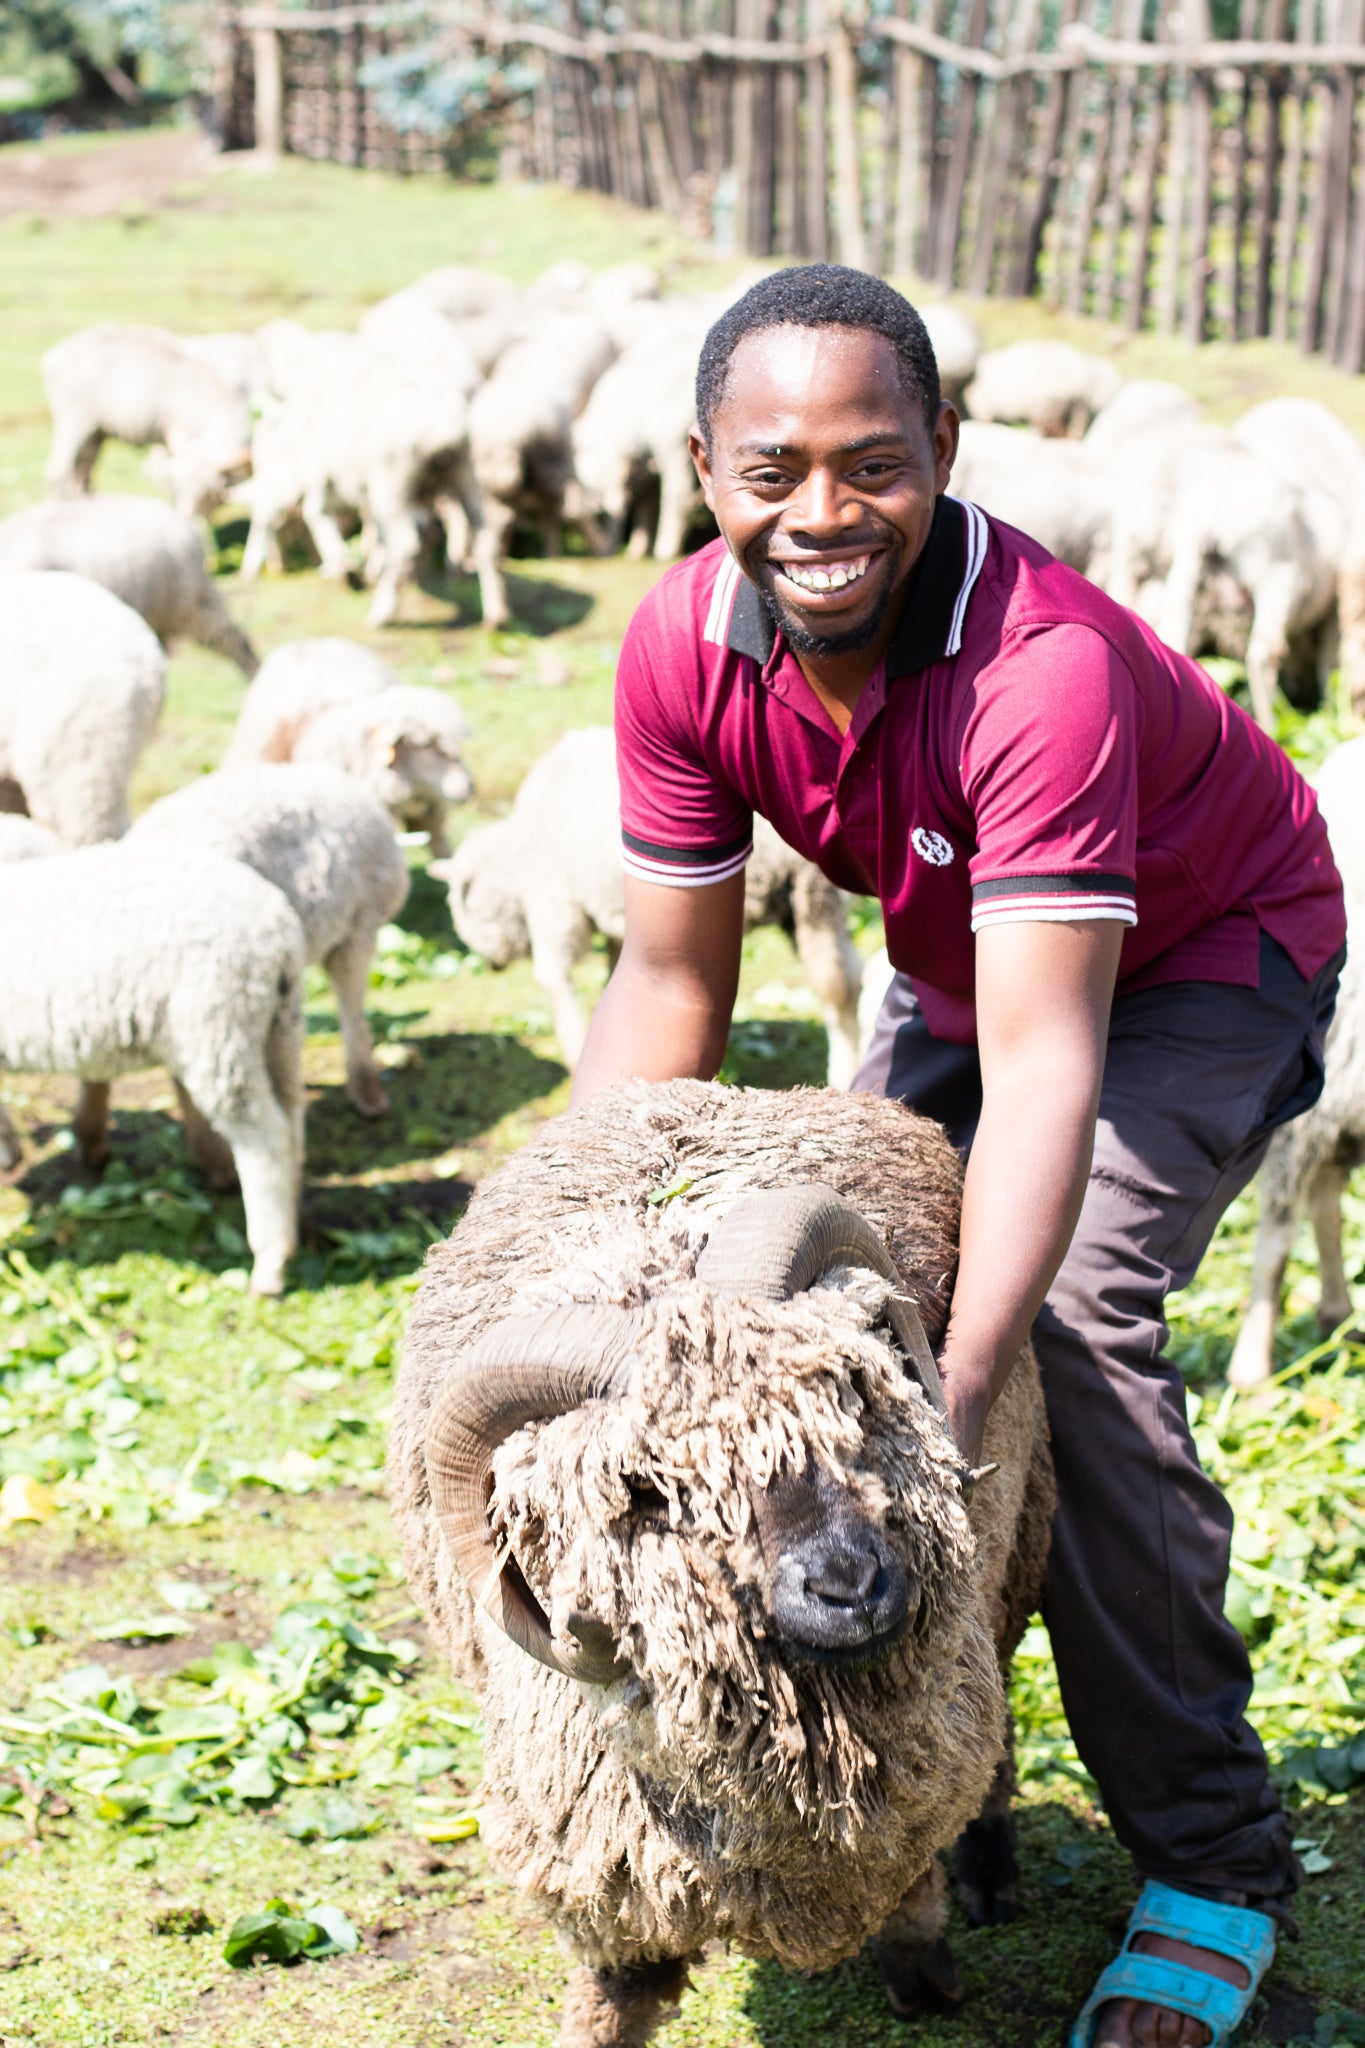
x=280 y=1933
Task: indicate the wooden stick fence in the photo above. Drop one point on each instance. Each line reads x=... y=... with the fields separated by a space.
x=1212 y=187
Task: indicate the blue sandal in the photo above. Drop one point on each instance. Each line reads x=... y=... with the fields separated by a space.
x=1243 y=1936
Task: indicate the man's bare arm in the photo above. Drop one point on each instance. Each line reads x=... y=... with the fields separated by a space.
x=666 y=1010
x=1043 y=994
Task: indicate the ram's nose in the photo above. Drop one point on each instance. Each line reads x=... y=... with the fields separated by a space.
x=840 y=1592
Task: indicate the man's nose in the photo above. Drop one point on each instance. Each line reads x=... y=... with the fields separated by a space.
x=824 y=506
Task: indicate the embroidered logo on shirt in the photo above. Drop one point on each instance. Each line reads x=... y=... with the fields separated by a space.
x=931 y=846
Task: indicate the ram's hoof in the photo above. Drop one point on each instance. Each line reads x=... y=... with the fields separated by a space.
x=985 y=1871
x=918 y=1974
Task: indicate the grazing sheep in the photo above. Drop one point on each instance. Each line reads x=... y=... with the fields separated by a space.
x=328 y=847
x=1310 y=1159
x=689 y=1456
x=1046 y=385
x=1141 y=406
x=410 y=329
x=195 y=964
x=461 y=292
x=363 y=429
x=336 y=704
x=82 y=680
x=140 y=384
x=21 y=839
x=1052 y=490
x=142 y=550
x=956 y=341
x=630 y=440
x=520 y=426
x=545 y=878
x=1199 y=521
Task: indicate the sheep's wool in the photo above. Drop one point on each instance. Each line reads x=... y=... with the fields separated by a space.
x=722 y=1790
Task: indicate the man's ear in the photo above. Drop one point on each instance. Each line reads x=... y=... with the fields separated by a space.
x=384 y=745
x=946 y=428
x=701 y=460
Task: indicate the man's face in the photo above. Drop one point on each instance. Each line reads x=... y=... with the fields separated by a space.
x=822 y=475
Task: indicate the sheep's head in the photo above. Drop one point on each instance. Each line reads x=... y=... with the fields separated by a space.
x=730 y=1511
x=484 y=907
x=414 y=748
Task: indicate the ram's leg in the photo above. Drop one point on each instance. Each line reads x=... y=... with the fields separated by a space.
x=984 y=1867
x=1324 y=1208
x=620 y=2008
x=911 y=1955
x=90 y=1124
x=211 y=1153
x=349 y=967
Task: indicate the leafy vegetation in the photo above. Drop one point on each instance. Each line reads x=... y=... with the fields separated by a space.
x=239 y=1798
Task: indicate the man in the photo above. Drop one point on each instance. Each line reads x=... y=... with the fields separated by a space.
x=1118 y=932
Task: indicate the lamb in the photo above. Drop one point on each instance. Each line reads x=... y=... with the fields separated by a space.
x=82 y=680
x=1198 y=512
x=334 y=703
x=1046 y=385
x=1052 y=490
x=140 y=384
x=520 y=425
x=632 y=434
x=328 y=846
x=195 y=964
x=363 y=429
x=543 y=879
x=142 y=550
x=673 y=1451
x=1310 y=1160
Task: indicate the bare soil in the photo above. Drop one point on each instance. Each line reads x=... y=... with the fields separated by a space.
x=136 y=171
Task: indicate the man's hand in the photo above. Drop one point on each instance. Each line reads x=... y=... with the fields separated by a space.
x=666 y=1011
x=1043 y=993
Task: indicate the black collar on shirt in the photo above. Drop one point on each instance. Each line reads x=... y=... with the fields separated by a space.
x=927 y=614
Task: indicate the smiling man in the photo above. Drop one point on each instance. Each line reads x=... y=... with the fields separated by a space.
x=1117 y=929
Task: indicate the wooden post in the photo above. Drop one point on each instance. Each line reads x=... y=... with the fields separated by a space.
x=1125 y=100
x=1196 y=15
x=1173 y=207
x=909 y=194
x=1348 y=29
x=817 y=138
x=1055 y=106
x=1321 y=193
x=1149 y=171
x=1001 y=169
x=267 y=51
x=1291 y=190
x=1068 y=152
x=843 y=95
x=1268 y=91
x=955 y=184
x=788 y=236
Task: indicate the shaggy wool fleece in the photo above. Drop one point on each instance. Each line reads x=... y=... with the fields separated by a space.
x=720 y=1789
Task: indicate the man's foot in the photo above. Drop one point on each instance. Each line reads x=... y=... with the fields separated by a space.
x=1124 y=2023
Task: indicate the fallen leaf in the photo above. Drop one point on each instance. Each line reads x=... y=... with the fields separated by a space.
x=25 y=1499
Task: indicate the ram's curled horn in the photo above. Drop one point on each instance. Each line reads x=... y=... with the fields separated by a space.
x=780 y=1241
x=527 y=1369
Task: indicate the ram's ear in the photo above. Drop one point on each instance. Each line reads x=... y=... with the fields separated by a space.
x=384 y=745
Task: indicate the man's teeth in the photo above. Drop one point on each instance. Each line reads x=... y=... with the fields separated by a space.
x=835 y=577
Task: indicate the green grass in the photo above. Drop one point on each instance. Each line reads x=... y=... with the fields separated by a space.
x=177 y=1434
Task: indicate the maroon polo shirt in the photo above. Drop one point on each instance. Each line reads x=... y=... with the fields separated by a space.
x=1027 y=751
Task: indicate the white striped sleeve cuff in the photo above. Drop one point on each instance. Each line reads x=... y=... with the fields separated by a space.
x=684 y=867
x=1053 y=899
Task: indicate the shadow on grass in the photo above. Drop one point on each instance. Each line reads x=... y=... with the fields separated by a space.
x=761 y=1054
x=150 y=1199
x=539 y=607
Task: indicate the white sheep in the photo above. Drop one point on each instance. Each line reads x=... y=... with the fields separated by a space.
x=956 y=341
x=142 y=550
x=461 y=292
x=362 y=429
x=1311 y=1159
x=1202 y=522
x=328 y=846
x=140 y=384
x=1052 y=490
x=21 y=839
x=121 y=959
x=1047 y=385
x=1141 y=406
x=82 y=681
x=630 y=440
x=546 y=877
x=520 y=428
x=334 y=703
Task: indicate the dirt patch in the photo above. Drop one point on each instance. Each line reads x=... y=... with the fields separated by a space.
x=139 y=172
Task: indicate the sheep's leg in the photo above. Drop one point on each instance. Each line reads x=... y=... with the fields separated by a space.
x=1253 y=1356
x=1268 y=644
x=71 y=463
x=262 y=541
x=265 y=1149
x=348 y=965
x=402 y=542
x=327 y=535
x=830 y=963
x=911 y=1956
x=210 y=1152
x=1324 y=1208
x=620 y=2008
x=555 y=946
x=985 y=1870
x=90 y=1124
x=490 y=552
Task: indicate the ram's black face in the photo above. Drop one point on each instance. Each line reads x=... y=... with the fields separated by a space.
x=836 y=1591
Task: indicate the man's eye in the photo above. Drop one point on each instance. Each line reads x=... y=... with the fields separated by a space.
x=768 y=479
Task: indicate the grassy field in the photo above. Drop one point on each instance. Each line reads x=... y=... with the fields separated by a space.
x=214 y=1691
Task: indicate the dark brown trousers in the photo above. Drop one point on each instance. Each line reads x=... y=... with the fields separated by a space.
x=1154 y=1680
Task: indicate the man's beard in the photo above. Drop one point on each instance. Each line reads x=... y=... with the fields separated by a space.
x=799 y=636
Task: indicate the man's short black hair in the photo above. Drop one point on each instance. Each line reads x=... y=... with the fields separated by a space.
x=820 y=295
